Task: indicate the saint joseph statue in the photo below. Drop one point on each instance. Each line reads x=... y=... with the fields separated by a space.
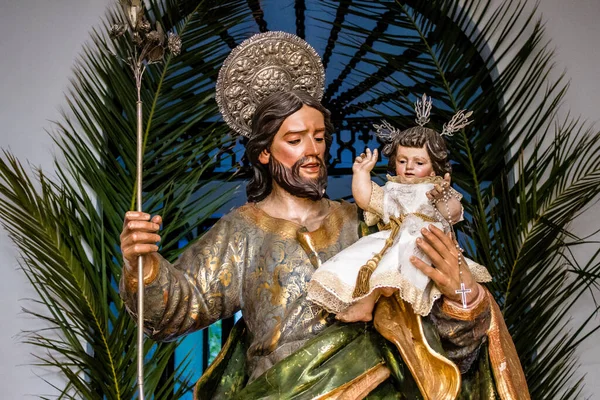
x=260 y=257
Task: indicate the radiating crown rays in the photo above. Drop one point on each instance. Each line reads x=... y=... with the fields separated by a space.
x=423 y=109
x=458 y=122
x=386 y=131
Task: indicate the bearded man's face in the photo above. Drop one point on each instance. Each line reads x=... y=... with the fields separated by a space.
x=297 y=154
x=292 y=181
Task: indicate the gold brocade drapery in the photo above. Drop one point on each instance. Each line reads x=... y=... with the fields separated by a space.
x=365 y=272
x=350 y=361
x=437 y=377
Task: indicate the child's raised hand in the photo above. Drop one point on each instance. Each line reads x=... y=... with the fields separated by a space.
x=438 y=191
x=365 y=162
x=361 y=177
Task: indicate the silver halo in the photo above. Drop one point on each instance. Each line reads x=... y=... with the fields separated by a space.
x=261 y=65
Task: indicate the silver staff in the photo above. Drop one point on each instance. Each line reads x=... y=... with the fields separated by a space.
x=149 y=47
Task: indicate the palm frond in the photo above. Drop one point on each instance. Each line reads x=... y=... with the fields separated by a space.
x=522 y=190
x=67 y=228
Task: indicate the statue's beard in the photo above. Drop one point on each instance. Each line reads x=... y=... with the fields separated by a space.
x=290 y=179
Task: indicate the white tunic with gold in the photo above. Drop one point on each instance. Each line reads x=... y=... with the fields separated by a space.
x=332 y=285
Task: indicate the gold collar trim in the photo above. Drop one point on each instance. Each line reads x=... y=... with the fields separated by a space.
x=427 y=179
x=321 y=238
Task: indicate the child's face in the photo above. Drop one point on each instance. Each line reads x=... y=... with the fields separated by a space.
x=413 y=162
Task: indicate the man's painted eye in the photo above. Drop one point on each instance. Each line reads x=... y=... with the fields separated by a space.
x=402 y=161
x=420 y=163
x=319 y=139
x=292 y=142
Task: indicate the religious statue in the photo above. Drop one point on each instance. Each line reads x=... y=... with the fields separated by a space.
x=260 y=257
x=417 y=195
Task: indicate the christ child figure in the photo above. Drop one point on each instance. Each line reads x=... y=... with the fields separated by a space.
x=419 y=195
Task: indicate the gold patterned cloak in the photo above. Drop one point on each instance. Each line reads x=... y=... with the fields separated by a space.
x=253 y=262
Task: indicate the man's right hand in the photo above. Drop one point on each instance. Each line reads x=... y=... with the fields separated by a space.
x=139 y=238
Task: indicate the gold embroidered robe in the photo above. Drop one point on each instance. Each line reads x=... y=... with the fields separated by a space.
x=252 y=262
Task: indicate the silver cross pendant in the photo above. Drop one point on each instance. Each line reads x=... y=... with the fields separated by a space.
x=463 y=294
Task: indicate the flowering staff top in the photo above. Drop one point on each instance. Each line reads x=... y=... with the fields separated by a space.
x=151 y=44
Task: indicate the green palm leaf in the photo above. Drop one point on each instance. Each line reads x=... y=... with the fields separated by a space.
x=67 y=229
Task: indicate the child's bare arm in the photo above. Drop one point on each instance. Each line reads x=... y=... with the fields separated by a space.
x=450 y=208
x=361 y=177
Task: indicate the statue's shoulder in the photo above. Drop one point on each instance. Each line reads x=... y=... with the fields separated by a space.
x=234 y=219
x=243 y=220
x=343 y=214
x=239 y=214
x=247 y=214
x=248 y=209
x=344 y=208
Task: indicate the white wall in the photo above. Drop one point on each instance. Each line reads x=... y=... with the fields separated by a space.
x=39 y=41
x=575 y=33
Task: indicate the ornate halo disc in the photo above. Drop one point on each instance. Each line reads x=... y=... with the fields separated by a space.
x=261 y=65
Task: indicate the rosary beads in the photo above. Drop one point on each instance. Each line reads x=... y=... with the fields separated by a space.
x=445 y=198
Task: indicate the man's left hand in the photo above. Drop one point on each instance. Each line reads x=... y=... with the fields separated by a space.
x=444 y=271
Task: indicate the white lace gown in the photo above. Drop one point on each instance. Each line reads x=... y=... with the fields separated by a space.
x=333 y=283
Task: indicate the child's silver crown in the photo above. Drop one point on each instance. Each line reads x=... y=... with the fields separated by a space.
x=386 y=131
